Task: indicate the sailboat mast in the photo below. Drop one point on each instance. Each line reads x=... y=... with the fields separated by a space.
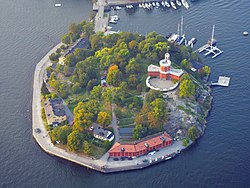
x=182 y=25
x=212 y=39
x=178 y=30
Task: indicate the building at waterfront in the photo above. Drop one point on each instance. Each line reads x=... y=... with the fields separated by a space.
x=54 y=111
x=140 y=148
x=161 y=77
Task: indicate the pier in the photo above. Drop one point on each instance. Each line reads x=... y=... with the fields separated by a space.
x=222 y=81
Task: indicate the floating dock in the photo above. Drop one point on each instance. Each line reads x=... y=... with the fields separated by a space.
x=222 y=81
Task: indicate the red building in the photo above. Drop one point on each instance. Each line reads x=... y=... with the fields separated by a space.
x=140 y=148
x=165 y=71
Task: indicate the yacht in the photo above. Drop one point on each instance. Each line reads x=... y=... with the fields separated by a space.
x=118 y=8
x=58 y=5
x=163 y=3
x=153 y=3
x=173 y=4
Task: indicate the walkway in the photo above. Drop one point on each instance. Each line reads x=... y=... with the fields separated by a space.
x=114 y=124
x=101 y=21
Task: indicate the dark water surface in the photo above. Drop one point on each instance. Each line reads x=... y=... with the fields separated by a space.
x=221 y=158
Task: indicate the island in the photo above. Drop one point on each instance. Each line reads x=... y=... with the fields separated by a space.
x=119 y=101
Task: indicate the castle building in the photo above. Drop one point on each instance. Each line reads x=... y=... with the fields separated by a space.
x=165 y=71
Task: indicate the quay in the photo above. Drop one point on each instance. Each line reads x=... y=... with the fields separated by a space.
x=222 y=81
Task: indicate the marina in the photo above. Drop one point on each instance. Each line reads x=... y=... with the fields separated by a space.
x=222 y=81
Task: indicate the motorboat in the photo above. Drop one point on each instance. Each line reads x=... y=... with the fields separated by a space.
x=163 y=3
x=178 y=2
x=167 y=4
x=153 y=3
x=118 y=8
x=58 y=5
x=173 y=5
x=185 y=4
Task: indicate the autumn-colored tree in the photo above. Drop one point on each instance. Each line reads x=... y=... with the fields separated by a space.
x=104 y=119
x=75 y=141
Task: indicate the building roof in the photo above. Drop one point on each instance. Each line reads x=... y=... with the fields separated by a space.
x=54 y=111
x=197 y=65
x=153 y=68
x=142 y=145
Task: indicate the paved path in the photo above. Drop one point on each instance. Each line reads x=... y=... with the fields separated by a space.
x=114 y=124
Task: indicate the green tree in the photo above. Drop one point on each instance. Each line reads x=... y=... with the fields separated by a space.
x=192 y=133
x=66 y=39
x=96 y=92
x=187 y=88
x=44 y=89
x=104 y=119
x=75 y=141
x=76 y=88
x=114 y=77
x=86 y=147
x=139 y=131
x=185 y=142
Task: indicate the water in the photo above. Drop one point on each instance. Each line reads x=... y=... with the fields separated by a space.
x=221 y=158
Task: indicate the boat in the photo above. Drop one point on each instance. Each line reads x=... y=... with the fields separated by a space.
x=58 y=5
x=167 y=158
x=157 y=4
x=180 y=39
x=118 y=8
x=153 y=3
x=140 y=5
x=115 y=17
x=113 y=21
x=185 y=4
x=163 y=3
x=143 y=5
x=167 y=4
x=178 y=2
x=245 y=33
x=173 y=5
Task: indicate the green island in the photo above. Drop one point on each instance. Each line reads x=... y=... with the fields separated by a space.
x=95 y=96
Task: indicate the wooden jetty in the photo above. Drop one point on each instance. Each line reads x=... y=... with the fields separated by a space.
x=222 y=81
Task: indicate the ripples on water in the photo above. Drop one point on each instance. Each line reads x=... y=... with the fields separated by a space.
x=28 y=29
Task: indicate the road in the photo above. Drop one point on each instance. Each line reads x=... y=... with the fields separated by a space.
x=114 y=124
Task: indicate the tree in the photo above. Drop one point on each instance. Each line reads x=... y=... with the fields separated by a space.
x=54 y=57
x=185 y=63
x=139 y=131
x=75 y=141
x=187 y=88
x=91 y=84
x=66 y=39
x=44 y=89
x=152 y=95
x=185 y=142
x=114 y=77
x=205 y=71
x=192 y=133
x=86 y=147
x=133 y=81
x=76 y=88
x=104 y=119
x=82 y=117
x=96 y=92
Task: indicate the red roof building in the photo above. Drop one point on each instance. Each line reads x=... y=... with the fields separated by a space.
x=165 y=71
x=140 y=148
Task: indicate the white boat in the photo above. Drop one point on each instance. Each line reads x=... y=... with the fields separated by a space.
x=167 y=4
x=153 y=3
x=58 y=5
x=173 y=5
x=115 y=17
x=113 y=21
x=140 y=5
x=178 y=2
x=157 y=4
x=118 y=8
x=163 y=3
x=185 y=4
x=143 y=5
